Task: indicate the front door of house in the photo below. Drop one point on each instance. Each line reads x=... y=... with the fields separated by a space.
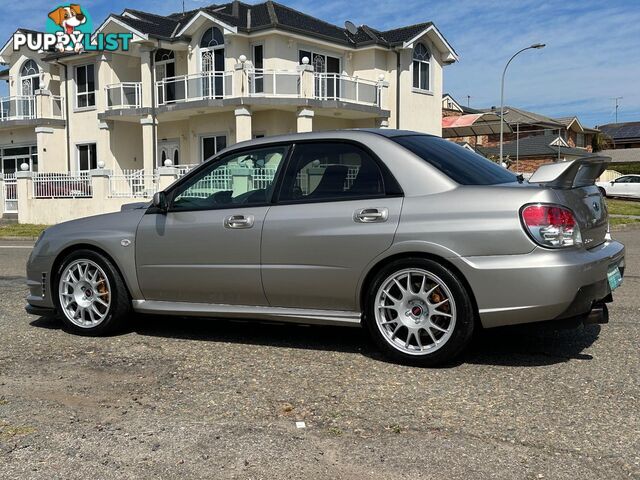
x=168 y=150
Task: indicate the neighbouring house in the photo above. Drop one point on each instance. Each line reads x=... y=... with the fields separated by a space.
x=530 y=139
x=622 y=135
x=624 y=140
x=195 y=82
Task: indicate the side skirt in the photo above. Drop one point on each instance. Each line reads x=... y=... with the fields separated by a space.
x=278 y=314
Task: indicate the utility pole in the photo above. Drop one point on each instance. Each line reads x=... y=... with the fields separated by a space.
x=468 y=101
x=616 y=99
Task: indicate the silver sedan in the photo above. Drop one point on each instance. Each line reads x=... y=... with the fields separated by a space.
x=415 y=238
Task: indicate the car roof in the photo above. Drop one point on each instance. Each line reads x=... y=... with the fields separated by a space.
x=357 y=134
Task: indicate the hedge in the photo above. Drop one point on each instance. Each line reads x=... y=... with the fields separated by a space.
x=625 y=167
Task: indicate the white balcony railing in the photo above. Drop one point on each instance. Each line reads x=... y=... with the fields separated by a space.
x=199 y=86
x=274 y=83
x=123 y=95
x=22 y=107
x=30 y=107
x=336 y=86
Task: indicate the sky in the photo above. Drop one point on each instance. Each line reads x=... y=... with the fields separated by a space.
x=592 y=53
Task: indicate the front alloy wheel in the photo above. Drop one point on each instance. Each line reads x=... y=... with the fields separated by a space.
x=92 y=298
x=419 y=312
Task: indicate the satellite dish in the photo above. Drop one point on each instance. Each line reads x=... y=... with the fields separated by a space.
x=351 y=28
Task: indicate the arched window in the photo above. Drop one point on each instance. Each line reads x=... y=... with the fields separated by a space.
x=212 y=63
x=30 y=77
x=164 y=55
x=212 y=38
x=421 y=67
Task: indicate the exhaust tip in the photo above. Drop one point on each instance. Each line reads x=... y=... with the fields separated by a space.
x=599 y=314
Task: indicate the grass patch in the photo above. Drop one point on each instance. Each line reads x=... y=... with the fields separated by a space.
x=21 y=230
x=613 y=221
x=8 y=431
x=623 y=207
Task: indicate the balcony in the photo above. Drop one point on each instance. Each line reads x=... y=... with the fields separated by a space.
x=336 y=86
x=194 y=87
x=31 y=107
x=274 y=83
x=123 y=95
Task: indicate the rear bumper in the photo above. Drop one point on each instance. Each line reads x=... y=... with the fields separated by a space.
x=541 y=285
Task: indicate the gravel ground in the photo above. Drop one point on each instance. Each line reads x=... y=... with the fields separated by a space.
x=190 y=398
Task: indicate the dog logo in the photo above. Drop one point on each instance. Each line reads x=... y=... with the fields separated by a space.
x=69 y=29
x=69 y=18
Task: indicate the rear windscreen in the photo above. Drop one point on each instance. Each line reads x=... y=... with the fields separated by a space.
x=460 y=164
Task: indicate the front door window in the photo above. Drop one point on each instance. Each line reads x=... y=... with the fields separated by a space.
x=237 y=180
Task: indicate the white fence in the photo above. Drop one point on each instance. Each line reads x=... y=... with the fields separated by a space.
x=335 y=86
x=10 y=193
x=274 y=83
x=62 y=185
x=198 y=86
x=133 y=184
x=123 y=95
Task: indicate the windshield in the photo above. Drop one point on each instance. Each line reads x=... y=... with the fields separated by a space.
x=460 y=164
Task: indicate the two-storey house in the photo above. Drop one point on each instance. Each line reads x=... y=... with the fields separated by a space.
x=193 y=82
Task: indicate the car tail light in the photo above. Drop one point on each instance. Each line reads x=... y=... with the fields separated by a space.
x=551 y=225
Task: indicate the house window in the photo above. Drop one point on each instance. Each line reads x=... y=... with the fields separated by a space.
x=30 y=77
x=212 y=62
x=85 y=86
x=421 y=67
x=580 y=140
x=210 y=145
x=87 y=157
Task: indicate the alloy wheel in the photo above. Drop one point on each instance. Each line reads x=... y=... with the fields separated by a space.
x=415 y=311
x=84 y=293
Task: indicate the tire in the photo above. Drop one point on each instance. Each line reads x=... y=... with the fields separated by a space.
x=101 y=287
x=436 y=314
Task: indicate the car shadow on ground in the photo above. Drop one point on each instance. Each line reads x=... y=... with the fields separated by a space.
x=516 y=346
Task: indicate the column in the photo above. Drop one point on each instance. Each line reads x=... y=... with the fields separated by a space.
x=307 y=83
x=105 y=77
x=24 y=189
x=104 y=152
x=3 y=195
x=240 y=82
x=166 y=176
x=305 y=120
x=148 y=160
x=243 y=124
x=43 y=104
x=100 y=188
x=146 y=77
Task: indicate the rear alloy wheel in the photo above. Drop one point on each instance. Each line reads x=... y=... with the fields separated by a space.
x=92 y=298
x=419 y=312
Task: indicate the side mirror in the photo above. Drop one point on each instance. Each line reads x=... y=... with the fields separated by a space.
x=160 y=201
x=612 y=182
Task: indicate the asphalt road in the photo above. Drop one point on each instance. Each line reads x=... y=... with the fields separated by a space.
x=190 y=398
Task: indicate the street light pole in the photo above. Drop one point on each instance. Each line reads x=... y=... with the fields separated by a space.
x=504 y=72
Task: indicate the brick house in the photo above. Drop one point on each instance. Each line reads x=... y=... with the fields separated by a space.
x=530 y=139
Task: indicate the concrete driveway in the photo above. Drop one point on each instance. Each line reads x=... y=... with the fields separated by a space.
x=190 y=398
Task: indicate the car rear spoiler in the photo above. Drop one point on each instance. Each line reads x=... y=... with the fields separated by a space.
x=581 y=172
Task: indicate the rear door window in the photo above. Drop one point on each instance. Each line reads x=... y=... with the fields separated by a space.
x=331 y=171
x=460 y=164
